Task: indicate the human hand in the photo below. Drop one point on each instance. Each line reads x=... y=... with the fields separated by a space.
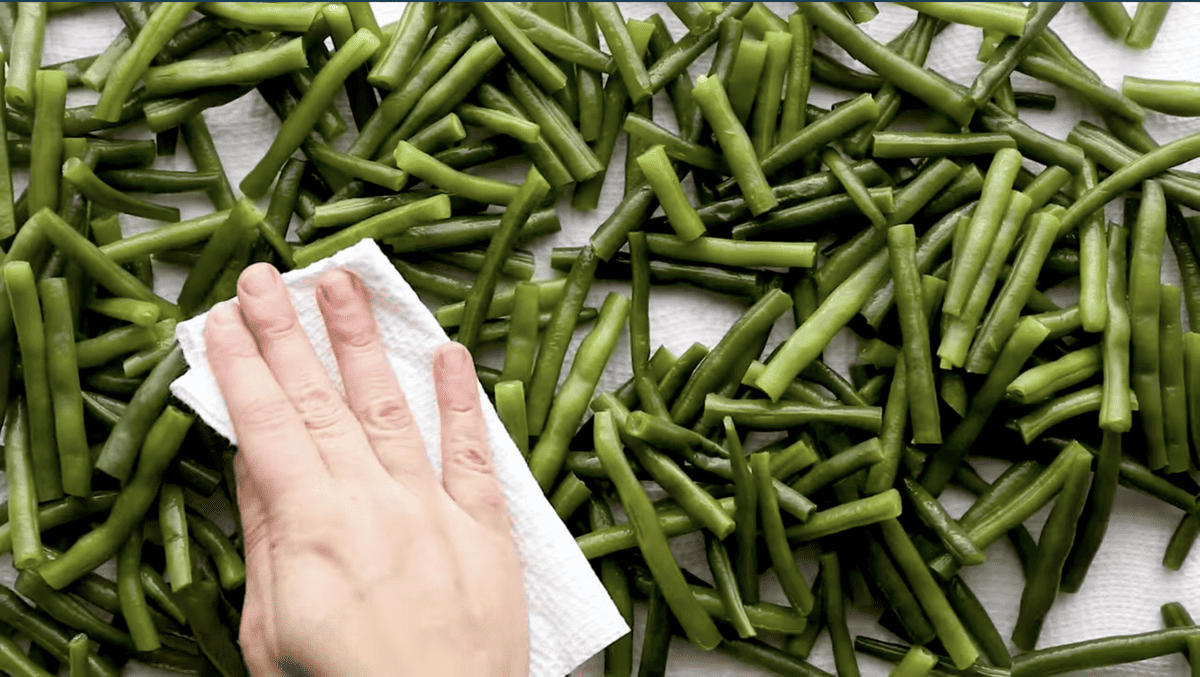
x=359 y=562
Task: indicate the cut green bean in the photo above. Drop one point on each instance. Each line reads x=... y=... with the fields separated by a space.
x=25 y=57
x=23 y=524
x=1041 y=586
x=1147 y=20
x=918 y=359
x=735 y=144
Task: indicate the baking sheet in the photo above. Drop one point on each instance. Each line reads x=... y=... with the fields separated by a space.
x=1127 y=583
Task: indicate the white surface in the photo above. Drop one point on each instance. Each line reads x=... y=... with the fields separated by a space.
x=1127 y=583
x=570 y=614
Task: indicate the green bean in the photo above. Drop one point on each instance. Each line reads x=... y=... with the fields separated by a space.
x=300 y=122
x=976 y=620
x=569 y=496
x=960 y=331
x=1096 y=511
x=1102 y=652
x=678 y=148
x=134 y=608
x=1148 y=165
x=746 y=502
x=424 y=74
x=31 y=337
x=925 y=85
x=768 y=415
x=1145 y=24
x=810 y=338
x=984 y=225
x=660 y=433
x=1060 y=409
x=240 y=69
x=23 y=525
x=683 y=489
x=1039 y=383
x=46 y=154
x=173 y=521
x=540 y=152
x=550 y=292
x=522 y=337
x=1137 y=476
x=882 y=475
x=555 y=125
x=515 y=42
x=651 y=538
x=63 y=374
x=161 y=444
x=835 y=614
x=714 y=368
x=1092 y=91
x=1111 y=17
x=526 y=199
x=79 y=648
x=588 y=81
x=1191 y=362
x=572 y=400
x=767 y=657
x=1007 y=19
x=1025 y=338
x=1181 y=542
x=618 y=656
x=510 y=407
x=839 y=466
x=1173 y=97
x=1002 y=318
x=674 y=61
x=946 y=623
x=25 y=57
x=77 y=172
x=381 y=226
x=767 y=102
x=930 y=144
x=1010 y=52
x=949 y=532
x=726 y=584
x=922 y=396
x=1041 y=586
x=735 y=144
x=395 y=62
x=660 y=175
x=695 y=17
x=199 y=603
x=499 y=122
x=799 y=76
x=783 y=561
x=133 y=64
x=1174 y=404
x=1032 y=143
x=376 y=173
x=291 y=17
x=1144 y=310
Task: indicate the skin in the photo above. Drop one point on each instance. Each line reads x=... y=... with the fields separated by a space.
x=360 y=561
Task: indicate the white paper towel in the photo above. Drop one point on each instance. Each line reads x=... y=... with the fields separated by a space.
x=570 y=615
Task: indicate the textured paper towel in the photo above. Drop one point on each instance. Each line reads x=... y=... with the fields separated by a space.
x=570 y=615
x=1127 y=582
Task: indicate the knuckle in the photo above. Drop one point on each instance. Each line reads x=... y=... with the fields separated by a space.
x=353 y=329
x=319 y=405
x=470 y=451
x=386 y=415
x=275 y=325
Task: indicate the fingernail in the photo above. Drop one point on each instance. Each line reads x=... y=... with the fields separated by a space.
x=340 y=287
x=260 y=280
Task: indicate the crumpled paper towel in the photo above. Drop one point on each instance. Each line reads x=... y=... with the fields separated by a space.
x=571 y=616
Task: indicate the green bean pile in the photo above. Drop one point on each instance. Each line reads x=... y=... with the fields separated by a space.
x=932 y=247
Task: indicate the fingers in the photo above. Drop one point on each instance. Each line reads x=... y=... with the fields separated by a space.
x=278 y=453
x=257 y=632
x=371 y=388
x=467 y=470
x=288 y=353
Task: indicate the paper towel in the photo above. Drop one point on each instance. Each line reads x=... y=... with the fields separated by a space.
x=571 y=616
